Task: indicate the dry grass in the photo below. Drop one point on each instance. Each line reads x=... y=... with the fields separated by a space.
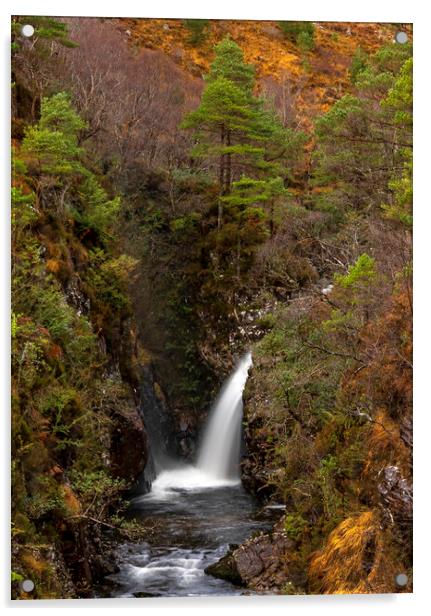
x=355 y=559
x=384 y=444
x=316 y=87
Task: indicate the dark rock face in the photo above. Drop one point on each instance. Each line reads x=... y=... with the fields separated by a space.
x=187 y=434
x=396 y=499
x=255 y=478
x=261 y=563
x=89 y=557
x=129 y=445
x=157 y=418
x=226 y=568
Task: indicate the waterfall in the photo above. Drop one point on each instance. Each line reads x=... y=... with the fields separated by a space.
x=220 y=447
x=218 y=459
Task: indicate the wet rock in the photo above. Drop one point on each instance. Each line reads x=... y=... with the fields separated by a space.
x=255 y=477
x=226 y=568
x=157 y=418
x=129 y=445
x=261 y=563
x=76 y=298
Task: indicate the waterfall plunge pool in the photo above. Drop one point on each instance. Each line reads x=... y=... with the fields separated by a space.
x=197 y=512
x=194 y=527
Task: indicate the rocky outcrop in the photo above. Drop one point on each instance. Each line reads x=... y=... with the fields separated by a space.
x=396 y=500
x=255 y=478
x=262 y=563
x=226 y=568
x=129 y=445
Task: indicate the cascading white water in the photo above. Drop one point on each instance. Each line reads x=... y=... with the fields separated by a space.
x=217 y=464
x=220 y=447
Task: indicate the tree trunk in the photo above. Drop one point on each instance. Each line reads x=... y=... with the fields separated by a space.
x=221 y=181
x=271 y=220
x=228 y=171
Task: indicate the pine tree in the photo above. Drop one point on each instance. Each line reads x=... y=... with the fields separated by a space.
x=51 y=146
x=365 y=136
x=233 y=127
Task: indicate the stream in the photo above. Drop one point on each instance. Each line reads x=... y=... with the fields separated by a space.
x=194 y=527
x=196 y=512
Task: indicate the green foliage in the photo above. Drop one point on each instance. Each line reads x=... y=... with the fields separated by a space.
x=99 y=212
x=294 y=525
x=53 y=312
x=231 y=124
x=400 y=96
x=198 y=29
x=358 y=64
x=229 y=64
x=361 y=142
x=400 y=209
x=96 y=489
x=305 y=41
x=299 y=32
x=16 y=577
x=109 y=278
x=45 y=498
x=399 y=102
x=45 y=28
x=23 y=213
x=185 y=222
x=327 y=474
x=51 y=146
x=361 y=273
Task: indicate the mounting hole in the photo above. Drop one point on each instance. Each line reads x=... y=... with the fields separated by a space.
x=27 y=585
x=27 y=30
x=401 y=579
x=401 y=37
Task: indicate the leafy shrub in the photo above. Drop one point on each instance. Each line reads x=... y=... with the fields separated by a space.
x=358 y=64
x=198 y=30
x=97 y=211
x=294 y=525
x=299 y=32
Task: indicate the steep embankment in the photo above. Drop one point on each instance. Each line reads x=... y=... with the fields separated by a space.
x=118 y=239
x=78 y=438
x=311 y=80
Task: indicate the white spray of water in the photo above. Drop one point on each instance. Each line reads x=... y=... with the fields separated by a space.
x=218 y=459
x=220 y=448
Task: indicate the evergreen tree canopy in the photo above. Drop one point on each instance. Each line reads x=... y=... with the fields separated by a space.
x=233 y=127
x=52 y=145
x=366 y=137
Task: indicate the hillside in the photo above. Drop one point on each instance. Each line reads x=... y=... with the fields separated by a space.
x=315 y=79
x=185 y=192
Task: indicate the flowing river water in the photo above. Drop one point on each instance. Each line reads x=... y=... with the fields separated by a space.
x=196 y=512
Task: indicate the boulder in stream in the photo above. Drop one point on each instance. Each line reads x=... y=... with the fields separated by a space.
x=260 y=563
